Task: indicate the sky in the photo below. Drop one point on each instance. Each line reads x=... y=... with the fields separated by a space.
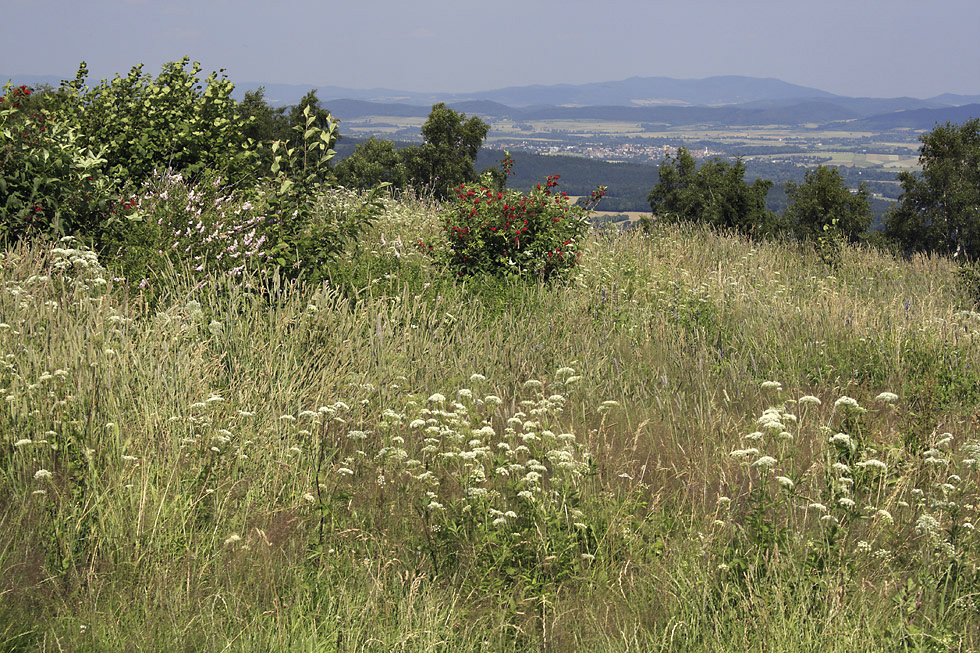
x=869 y=48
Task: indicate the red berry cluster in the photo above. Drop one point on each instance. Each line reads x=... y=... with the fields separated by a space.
x=17 y=94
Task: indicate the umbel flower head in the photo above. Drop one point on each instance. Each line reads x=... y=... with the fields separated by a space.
x=848 y=405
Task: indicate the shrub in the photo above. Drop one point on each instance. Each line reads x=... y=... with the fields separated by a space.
x=171 y=122
x=373 y=162
x=507 y=233
x=204 y=224
x=51 y=184
x=823 y=202
x=302 y=241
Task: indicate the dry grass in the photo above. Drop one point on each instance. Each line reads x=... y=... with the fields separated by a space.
x=195 y=494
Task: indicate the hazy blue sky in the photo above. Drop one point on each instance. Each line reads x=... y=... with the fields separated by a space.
x=878 y=48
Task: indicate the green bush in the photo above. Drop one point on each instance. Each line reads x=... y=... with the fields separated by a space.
x=165 y=184
x=173 y=121
x=507 y=233
x=302 y=240
x=51 y=184
x=373 y=162
x=823 y=203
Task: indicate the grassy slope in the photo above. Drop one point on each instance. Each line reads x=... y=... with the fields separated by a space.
x=176 y=519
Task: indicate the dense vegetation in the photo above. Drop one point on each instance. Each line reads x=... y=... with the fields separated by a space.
x=247 y=408
x=940 y=209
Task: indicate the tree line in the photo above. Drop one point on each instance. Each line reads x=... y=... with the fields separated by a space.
x=938 y=209
x=66 y=152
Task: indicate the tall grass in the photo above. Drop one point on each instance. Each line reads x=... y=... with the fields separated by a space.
x=400 y=460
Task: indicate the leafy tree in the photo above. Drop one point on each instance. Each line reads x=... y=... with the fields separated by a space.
x=264 y=125
x=822 y=202
x=939 y=210
x=297 y=116
x=715 y=193
x=260 y=121
x=261 y=125
x=446 y=158
x=372 y=162
x=308 y=113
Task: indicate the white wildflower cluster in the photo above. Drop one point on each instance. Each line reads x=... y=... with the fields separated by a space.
x=215 y=427
x=935 y=456
x=853 y=482
x=785 y=481
x=848 y=406
x=842 y=440
x=927 y=525
x=971 y=454
x=466 y=457
x=873 y=464
x=967 y=321
x=775 y=430
x=567 y=376
x=775 y=422
x=607 y=406
x=77 y=262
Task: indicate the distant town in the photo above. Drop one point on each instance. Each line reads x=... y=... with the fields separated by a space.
x=613 y=153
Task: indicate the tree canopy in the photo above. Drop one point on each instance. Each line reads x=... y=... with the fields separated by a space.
x=446 y=158
x=939 y=209
x=715 y=192
x=823 y=201
x=373 y=162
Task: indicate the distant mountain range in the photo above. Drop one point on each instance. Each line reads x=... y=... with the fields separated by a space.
x=726 y=100
x=823 y=114
x=752 y=92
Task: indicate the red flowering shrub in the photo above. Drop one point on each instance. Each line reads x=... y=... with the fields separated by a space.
x=49 y=184
x=507 y=233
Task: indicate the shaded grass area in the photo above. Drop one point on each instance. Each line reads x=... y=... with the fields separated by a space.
x=399 y=460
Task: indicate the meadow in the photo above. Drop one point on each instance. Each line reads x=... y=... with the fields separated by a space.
x=696 y=442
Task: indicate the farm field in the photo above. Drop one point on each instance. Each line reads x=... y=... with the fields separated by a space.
x=696 y=442
x=776 y=152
